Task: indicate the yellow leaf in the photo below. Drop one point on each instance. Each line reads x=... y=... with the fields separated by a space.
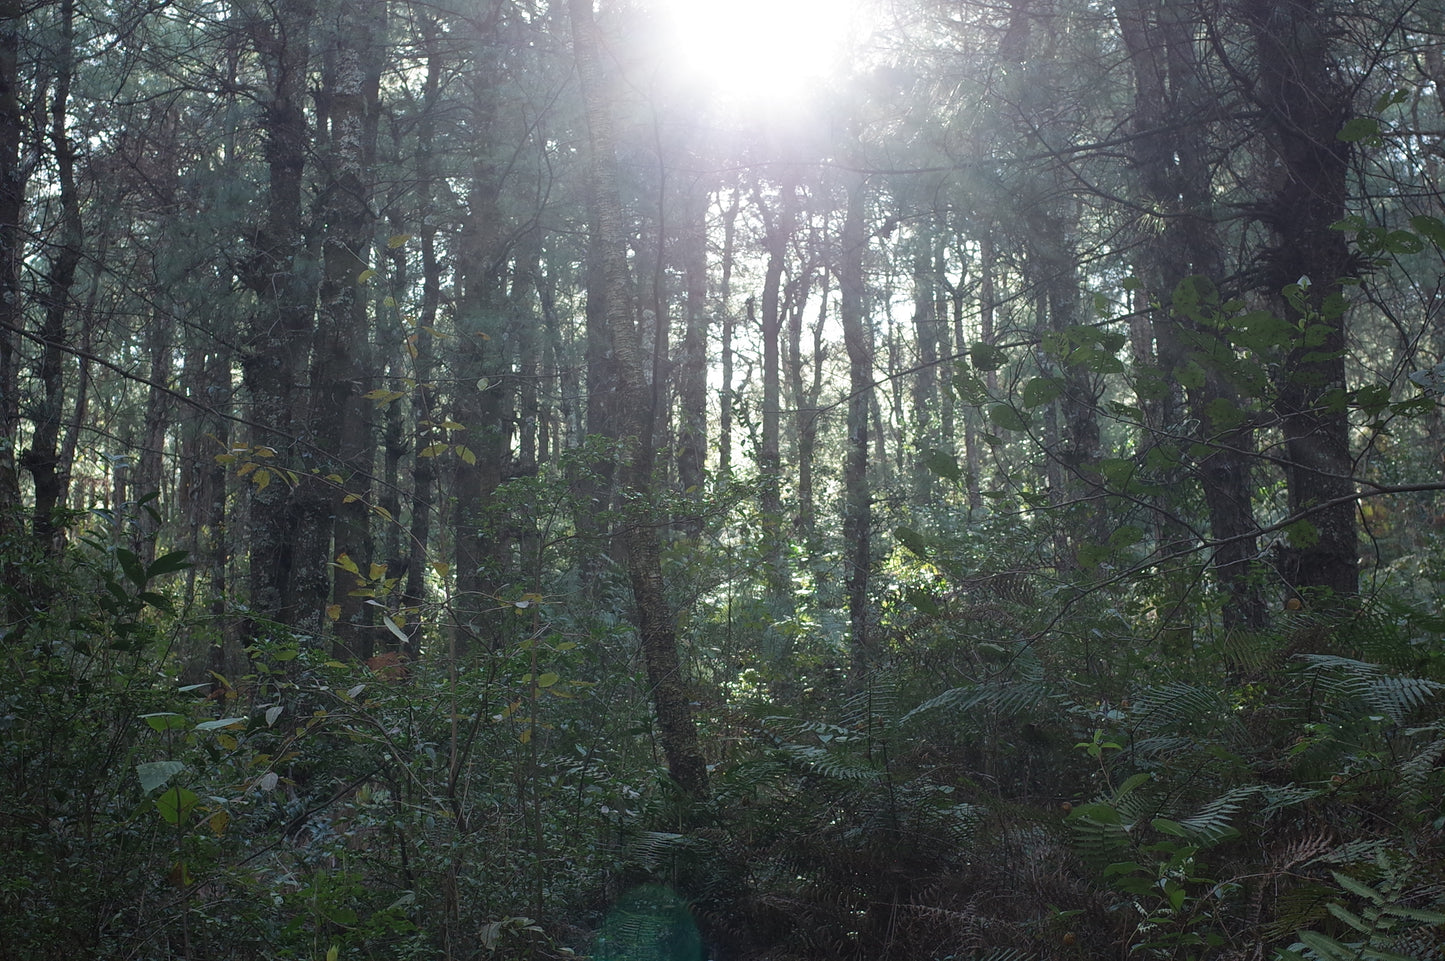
x=347 y=564
x=396 y=240
x=265 y=452
x=466 y=454
x=225 y=458
x=451 y=425
x=228 y=742
x=218 y=822
x=441 y=567
x=262 y=479
x=376 y=572
x=366 y=275
x=351 y=498
x=333 y=612
x=333 y=952
x=433 y=450
x=382 y=511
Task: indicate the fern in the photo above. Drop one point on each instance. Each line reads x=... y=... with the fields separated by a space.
x=1396 y=697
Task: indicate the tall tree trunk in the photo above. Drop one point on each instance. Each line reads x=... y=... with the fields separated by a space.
x=1170 y=158
x=778 y=232
x=483 y=362
x=692 y=379
x=1306 y=103
x=42 y=459
x=926 y=323
x=857 y=497
x=14 y=176
x=419 y=343
x=656 y=625
x=725 y=394
x=282 y=273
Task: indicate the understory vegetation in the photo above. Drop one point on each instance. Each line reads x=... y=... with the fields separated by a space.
x=1036 y=771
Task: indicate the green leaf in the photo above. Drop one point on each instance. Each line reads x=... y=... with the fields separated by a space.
x=1359 y=128
x=1326 y=947
x=167 y=563
x=547 y=679
x=164 y=721
x=1005 y=417
x=221 y=724
x=1166 y=826
x=1431 y=228
x=969 y=388
x=1415 y=914
x=942 y=463
x=913 y=540
x=1350 y=918
x=176 y=804
x=1039 y=391
x=1358 y=888
x=986 y=357
x=131 y=565
x=155 y=774
x=159 y=601
x=396 y=631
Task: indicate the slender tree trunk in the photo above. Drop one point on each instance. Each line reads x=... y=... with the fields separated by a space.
x=692 y=380
x=857 y=497
x=14 y=176
x=419 y=345
x=483 y=361
x=925 y=381
x=656 y=626
x=42 y=459
x=779 y=230
x=725 y=394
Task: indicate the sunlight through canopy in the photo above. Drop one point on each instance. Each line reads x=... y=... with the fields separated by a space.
x=759 y=54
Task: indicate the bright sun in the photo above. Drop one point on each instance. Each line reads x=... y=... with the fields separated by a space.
x=752 y=52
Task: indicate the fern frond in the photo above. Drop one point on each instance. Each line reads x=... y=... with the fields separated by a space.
x=1392 y=695
x=831 y=764
x=1212 y=823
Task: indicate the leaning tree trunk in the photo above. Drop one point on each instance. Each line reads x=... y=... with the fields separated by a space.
x=656 y=626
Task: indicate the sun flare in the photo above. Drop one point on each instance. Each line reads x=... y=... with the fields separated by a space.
x=756 y=52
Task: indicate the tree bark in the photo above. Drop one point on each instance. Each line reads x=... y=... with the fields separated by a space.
x=1305 y=105
x=42 y=458
x=656 y=626
x=857 y=497
x=14 y=176
x=282 y=272
x=1176 y=180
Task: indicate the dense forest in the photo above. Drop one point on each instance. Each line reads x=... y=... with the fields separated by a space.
x=892 y=480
